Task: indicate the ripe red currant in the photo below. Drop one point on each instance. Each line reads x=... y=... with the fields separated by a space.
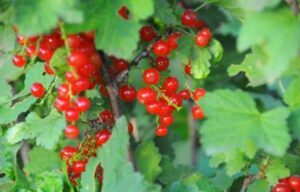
x=147 y=33
x=146 y=95
x=79 y=166
x=102 y=137
x=198 y=93
x=48 y=69
x=45 y=53
x=72 y=115
x=165 y=121
x=161 y=63
x=123 y=12
x=173 y=40
x=153 y=108
x=281 y=187
x=161 y=131
x=170 y=84
x=120 y=65
x=184 y=94
x=201 y=40
x=61 y=104
x=80 y=85
x=187 y=69
x=19 y=60
x=63 y=90
x=107 y=117
x=37 y=90
x=74 y=41
x=82 y=104
x=72 y=132
x=197 y=112
x=70 y=77
x=77 y=59
x=189 y=18
x=30 y=50
x=206 y=32
x=127 y=93
x=161 y=48
x=294 y=182
x=151 y=76
x=67 y=152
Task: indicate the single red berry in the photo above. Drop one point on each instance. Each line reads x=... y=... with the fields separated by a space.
x=120 y=65
x=45 y=53
x=201 y=40
x=102 y=136
x=153 y=108
x=175 y=99
x=200 y=24
x=151 y=76
x=165 y=121
x=294 y=182
x=37 y=90
x=19 y=60
x=123 y=12
x=48 y=69
x=165 y=109
x=281 y=187
x=130 y=128
x=21 y=40
x=70 y=77
x=173 y=40
x=74 y=40
x=104 y=91
x=127 y=93
x=161 y=63
x=161 y=131
x=79 y=166
x=147 y=33
x=198 y=93
x=77 y=59
x=68 y=152
x=61 y=104
x=72 y=115
x=52 y=41
x=189 y=18
x=82 y=104
x=80 y=85
x=146 y=95
x=63 y=90
x=30 y=50
x=107 y=117
x=284 y=180
x=184 y=94
x=206 y=32
x=187 y=69
x=170 y=84
x=197 y=112
x=72 y=132
x=161 y=48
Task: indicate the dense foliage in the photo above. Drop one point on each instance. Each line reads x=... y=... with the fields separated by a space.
x=150 y=95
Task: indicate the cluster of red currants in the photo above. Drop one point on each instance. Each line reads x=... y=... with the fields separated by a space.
x=289 y=184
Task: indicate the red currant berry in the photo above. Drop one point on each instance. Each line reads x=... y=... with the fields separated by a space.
x=37 y=90
x=70 y=77
x=187 y=69
x=294 y=182
x=107 y=117
x=173 y=40
x=147 y=33
x=123 y=12
x=120 y=65
x=201 y=40
x=79 y=166
x=184 y=94
x=165 y=109
x=61 y=104
x=146 y=95
x=127 y=93
x=82 y=104
x=161 y=63
x=170 y=84
x=45 y=53
x=68 y=152
x=72 y=132
x=165 y=121
x=281 y=187
x=104 y=91
x=102 y=137
x=74 y=41
x=130 y=128
x=161 y=48
x=189 y=18
x=153 y=108
x=284 y=180
x=19 y=60
x=198 y=93
x=206 y=32
x=161 y=131
x=197 y=112
x=80 y=85
x=77 y=59
x=200 y=24
x=30 y=50
x=175 y=99
x=63 y=90
x=72 y=115
x=21 y=40
x=151 y=76
x=48 y=69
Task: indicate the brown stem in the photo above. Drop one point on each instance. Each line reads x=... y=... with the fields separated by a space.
x=193 y=137
x=294 y=6
x=24 y=152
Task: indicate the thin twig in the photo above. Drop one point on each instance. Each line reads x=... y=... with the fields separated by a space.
x=24 y=152
x=294 y=6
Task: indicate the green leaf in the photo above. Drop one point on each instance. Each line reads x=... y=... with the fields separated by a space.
x=118 y=172
x=234 y=114
x=276 y=170
x=292 y=162
x=259 y=185
x=294 y=122
x=46 y=130
x=292 y=94
x=147 y=160
x=58 y=62
x=42 y=160
x=216 y=49
x=49 y=181
x=272 y=26
x=258 y=5
x=253 y=66
x=163 y=12
x=7 y=40
x=36 y=17
x=222 y=180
